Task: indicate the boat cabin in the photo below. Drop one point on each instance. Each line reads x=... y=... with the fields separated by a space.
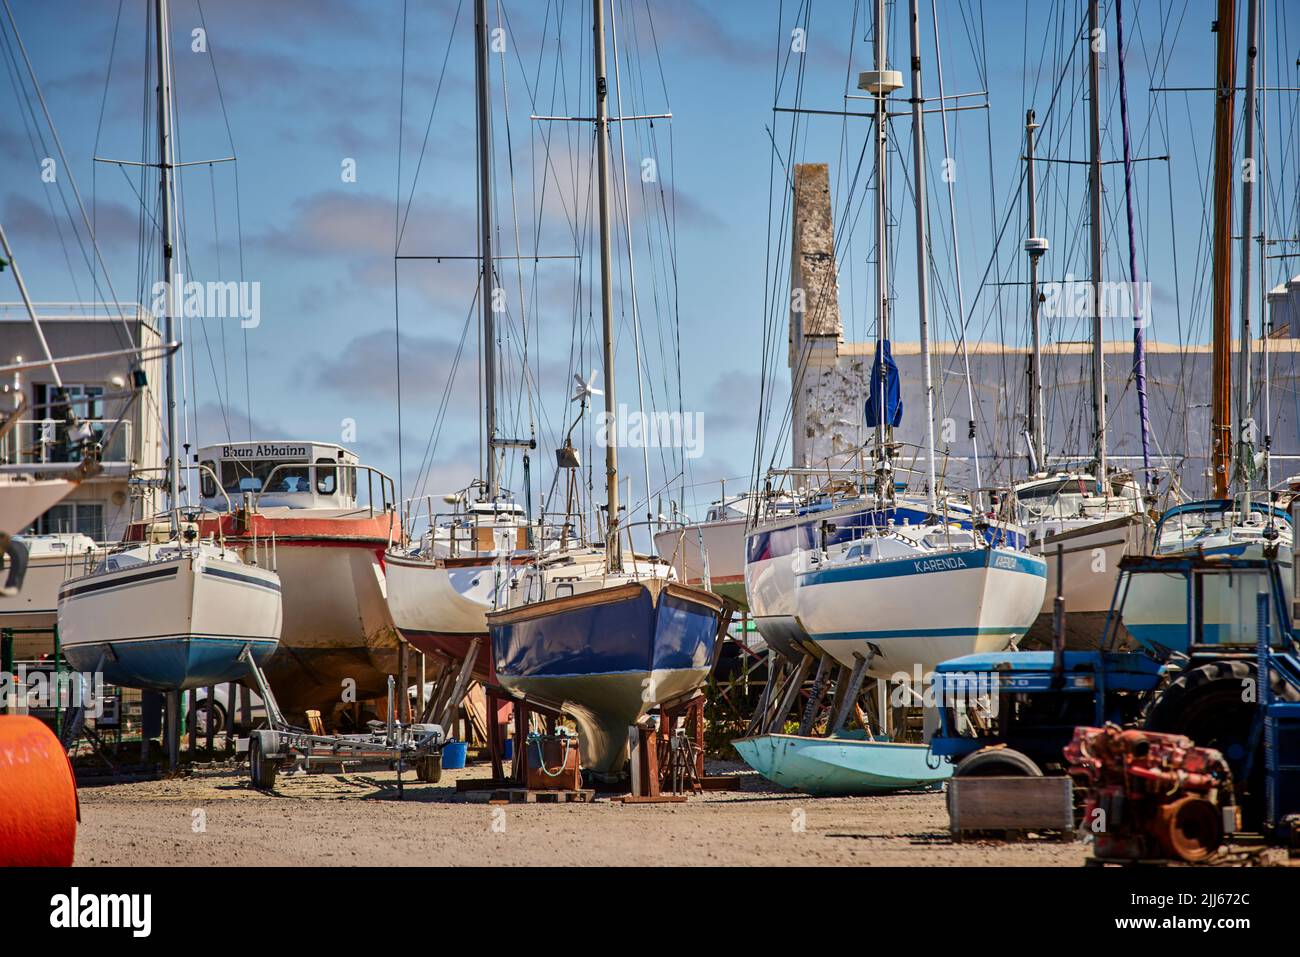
x=288 y=474
x=1068 y=495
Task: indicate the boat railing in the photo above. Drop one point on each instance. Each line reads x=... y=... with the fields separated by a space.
x=681 y=534
x=155 y=484
x=46 y=441
x=787 y=489
x=374 y=477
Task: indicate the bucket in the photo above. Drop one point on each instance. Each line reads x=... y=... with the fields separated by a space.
x=453 y=755
x=508 y=753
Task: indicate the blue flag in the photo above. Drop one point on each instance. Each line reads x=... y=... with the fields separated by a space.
x=884 y=385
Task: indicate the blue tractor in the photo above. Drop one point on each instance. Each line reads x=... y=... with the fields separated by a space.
x=1013 y=713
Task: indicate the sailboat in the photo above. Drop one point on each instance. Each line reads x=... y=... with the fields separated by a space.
x=711 y=553
x=440 y=591
x=904 y=596
x=1082 y=520
x=1232 y=522
x=324 y=518
x=175 y=611
x=610 y=636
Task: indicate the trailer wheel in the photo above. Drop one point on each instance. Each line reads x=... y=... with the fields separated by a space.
x=261 y=769
x=1209 y=705
x=428 y=769
x=996 y=762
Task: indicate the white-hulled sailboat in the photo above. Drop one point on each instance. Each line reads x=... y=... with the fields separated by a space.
x=175 y=611
x=901 y=596
x=1234 y=522
x=1082 y=520
x=440 y=591
x=604 y=635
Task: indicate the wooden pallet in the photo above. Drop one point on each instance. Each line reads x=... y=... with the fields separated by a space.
x=526 y=796
x=1011 y=807
x=651 y=799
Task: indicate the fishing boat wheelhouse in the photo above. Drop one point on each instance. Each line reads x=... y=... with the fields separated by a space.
x=322 y=520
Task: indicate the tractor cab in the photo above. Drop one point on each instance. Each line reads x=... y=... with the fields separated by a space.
x=1022 y=706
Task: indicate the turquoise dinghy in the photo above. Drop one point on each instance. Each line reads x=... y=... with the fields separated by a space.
x=840 y=766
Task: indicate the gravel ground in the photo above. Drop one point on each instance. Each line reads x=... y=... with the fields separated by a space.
x=215 y=817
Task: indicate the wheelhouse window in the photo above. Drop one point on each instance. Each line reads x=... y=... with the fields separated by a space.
x=207 y=484
x=240 y=477
x=326 y=477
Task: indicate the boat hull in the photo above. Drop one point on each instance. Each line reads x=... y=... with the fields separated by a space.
x=36 y=607
x=773 y=549
x=724 y=544
x=843 y=766
x=440 y=606
x=907 y=615
x=1091 y=557
x=608 y=657
x=170 y=625
x=338 y=645
x=23 y=502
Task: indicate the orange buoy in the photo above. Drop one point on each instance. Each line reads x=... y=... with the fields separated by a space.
x=38 y=796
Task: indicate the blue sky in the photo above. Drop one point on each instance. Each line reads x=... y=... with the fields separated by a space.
x=308 y=85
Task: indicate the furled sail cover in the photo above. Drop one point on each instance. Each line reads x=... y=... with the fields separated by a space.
x=884 y=385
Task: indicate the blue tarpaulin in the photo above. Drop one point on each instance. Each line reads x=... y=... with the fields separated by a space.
x=884 y=385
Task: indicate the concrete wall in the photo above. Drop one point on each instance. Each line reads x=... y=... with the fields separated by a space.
x=1178 y=389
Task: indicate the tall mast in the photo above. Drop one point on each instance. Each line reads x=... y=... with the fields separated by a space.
x=613 y=549
x=1035 y=246
x=1221 y=304
x=1247 y=228
x=486 y=262
x=168 y=212
x=882 y=240
x=1094 y=202
x=1139 y=333
x=922 y=263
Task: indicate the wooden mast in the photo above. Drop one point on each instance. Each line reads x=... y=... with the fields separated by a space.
x=1221 y=302
x=487 y=264
x=613 y=548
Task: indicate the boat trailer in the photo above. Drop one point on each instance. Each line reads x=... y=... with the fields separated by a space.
x=283 y=744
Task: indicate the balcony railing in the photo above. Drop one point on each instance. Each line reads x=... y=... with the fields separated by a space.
x=45 y=441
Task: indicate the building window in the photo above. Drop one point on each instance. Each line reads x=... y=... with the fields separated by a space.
x=50 y=411
x=85 y=518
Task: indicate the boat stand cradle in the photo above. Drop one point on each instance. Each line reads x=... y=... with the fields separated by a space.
x=282 y=744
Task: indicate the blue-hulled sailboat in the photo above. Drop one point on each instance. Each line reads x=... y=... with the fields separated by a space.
x=603 y=635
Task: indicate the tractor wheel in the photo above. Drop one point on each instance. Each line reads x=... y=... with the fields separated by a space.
x=997 y=762
x=1215 y=705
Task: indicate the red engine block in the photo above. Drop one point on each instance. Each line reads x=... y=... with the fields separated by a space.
x=1150 y=795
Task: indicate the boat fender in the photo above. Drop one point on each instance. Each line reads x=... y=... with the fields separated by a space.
x=38 y=796
x=16 y=552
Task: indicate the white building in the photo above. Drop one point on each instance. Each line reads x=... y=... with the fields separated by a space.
x=100 y=393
